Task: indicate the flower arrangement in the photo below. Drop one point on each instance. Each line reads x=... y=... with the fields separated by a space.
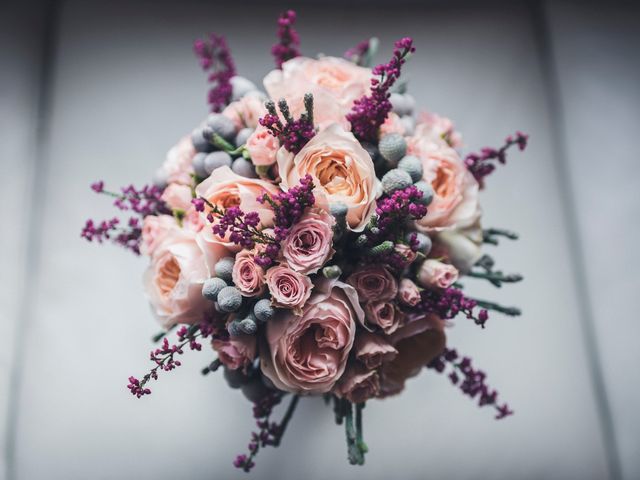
x=313 y=237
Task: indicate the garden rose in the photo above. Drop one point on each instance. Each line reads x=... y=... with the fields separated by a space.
x=177 y=196
x=341 y=170
x=238 y=352
x=248 y=276
x=154 y=230
x=384 y=315
x=463 y=247
x=392 y=124
x=262 y=147
x=308 y=354
x=173 y=281
x=373 y=350
x=408 y=292
x=433 y=273
x=455 y=202
x=437 y=128
x=289 y=289
x=247 y=111
x=309 y=243
x=374 y=282
x=358 y=384
x=177 y=167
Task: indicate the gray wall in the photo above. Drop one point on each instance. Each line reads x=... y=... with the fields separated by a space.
x=102 y=89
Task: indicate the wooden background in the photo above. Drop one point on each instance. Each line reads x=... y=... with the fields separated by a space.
x=101 y=89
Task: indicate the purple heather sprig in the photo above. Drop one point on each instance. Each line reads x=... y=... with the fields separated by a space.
x=214 y=55
x=359 y=53
x=288 y=39
x=449 y=302
x=470 y=380
x=370 y=111
x=293 y=134
x=479 y=164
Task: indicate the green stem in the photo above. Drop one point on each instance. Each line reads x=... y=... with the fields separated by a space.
x=355 y=454
x=511 y=311
x=490 y=232
x=285 y=420
x=362 y=446
x=497 y=276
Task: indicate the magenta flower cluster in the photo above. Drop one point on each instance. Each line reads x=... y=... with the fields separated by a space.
x=293 y=134
x=479 y=164
x=449 y=302
x=394 y=210
x=214 y=55
x=358 y=53
x=370 y=111
x=470 y=381
x=288 y=39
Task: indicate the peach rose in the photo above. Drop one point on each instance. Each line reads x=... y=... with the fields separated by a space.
x=246 y=112
x=373 y=350
x=392 y=124
x=308 y=354
x=408 y=292
x=177 y=196
x=358 y=384
x=374 y=282
x=418 y=342
x=236 y=353
x=455 y=202
x=334 y=82
x=433 y=273
x=173 y=281
x=177 y=167
x=154 y=230
x=341 y=170
x=248 y=276
x=309 y=243
x=288 y=288
x=433 y=126
x=384 y=315
x=262 y=147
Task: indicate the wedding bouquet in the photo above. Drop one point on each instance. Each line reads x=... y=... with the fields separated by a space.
x=313 y=237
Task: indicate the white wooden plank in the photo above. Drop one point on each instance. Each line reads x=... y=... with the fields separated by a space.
x=126 y=88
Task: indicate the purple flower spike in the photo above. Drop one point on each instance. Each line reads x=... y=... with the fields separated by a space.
x=214 y=55
x=288 y=39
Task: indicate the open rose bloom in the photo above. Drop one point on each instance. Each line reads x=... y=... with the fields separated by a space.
x=314 y=239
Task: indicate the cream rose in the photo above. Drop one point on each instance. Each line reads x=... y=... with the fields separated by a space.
x=177 y=167
x=433 y=273
x=154 y=229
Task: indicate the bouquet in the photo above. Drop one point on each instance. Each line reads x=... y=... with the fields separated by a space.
x=313 y=237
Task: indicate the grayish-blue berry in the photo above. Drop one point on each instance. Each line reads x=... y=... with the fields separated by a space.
x=198 y=164
x=362 y=240
x=395 y=179
x=240 y=86
x=413 y=166
x=243 y=136
x=244 y=168
x=427 y=192
x=409 y=124
x=222 y=125
x=229 y=299
x=248 y=326
x=400 y=103
x=234 y=328
x=332 y=271
x=263 y=310
x=339 y=210
x=200 y=143
x=392 y=147
x=211 y=287
x=215 y=160
x=224 y=268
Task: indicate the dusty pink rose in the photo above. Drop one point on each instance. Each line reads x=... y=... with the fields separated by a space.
x=433 y=273
x=408 y=255
x=392 y=124
x=289 y=289
x=408 y=292
x=262 y=147
x=418 y=342
x=455 y=202
x=373 y=350
x=309 y=243
x=248 y=276
x=246 y=112
x=334 y=82
x=308 y=353
x=433 y=126
x=154 y=229
x=358 y=384
x=173 y=281
x=177 y=167
x=177 y=196
x=236 y=353
x=341 y=170
x=384 y=315
x=374 y=282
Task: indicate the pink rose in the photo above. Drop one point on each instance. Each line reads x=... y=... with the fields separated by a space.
x=384 y=315
x=334 y=82
x=408 y=292
x=154 y=230
x=358 y=384
x=455 y=202
x=341 y=170
x=177 y=196
x=373 y=282
x=433 y=273
x=177 y=167
x=309 y=243
x=289 y=289
x=407 y=254
x=308 y=354
x=262 y=147
x=418 y=342
x=193 y=220
x=433 y=126
x=392 y=124
x=373 y=350
x=248 y=276
x=173 y=281
x=236 y=353
x=246 y=112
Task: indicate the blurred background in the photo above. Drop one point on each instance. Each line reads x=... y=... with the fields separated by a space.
x=102 y=89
